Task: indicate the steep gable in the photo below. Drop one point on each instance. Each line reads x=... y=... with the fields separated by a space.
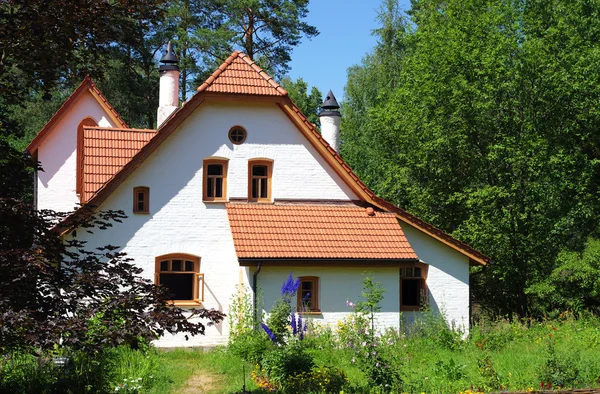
x=87 y=85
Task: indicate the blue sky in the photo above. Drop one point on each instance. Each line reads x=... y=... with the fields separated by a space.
x=345 y=27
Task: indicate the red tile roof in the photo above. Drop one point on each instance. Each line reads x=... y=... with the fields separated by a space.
x=316 y=231
x=240 y=75
x=86 y=85
x=106 y=151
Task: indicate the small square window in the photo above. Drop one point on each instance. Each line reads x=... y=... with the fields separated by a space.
x=308 y=294
x=215 y=180
x=259 y=180
x=413 y=290
x=141 y=199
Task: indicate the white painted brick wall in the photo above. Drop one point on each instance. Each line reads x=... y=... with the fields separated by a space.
x=447 y=278
x=336 y=286
x=179 y=222
x=56 y=184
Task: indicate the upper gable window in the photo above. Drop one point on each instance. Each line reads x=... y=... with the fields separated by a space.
x=87 y=122
x=215 y=180
x=141 y=199
x=237 y=135
x=259 y=180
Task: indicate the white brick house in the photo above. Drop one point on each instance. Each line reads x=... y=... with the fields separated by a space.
x=237 y=188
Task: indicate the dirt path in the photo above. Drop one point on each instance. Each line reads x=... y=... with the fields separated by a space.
x=201 y=382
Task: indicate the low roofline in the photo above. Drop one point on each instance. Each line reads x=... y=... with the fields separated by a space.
x=324 y=262
x=86 y=85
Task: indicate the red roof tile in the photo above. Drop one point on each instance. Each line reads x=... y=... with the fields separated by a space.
x=240 y=75
x=86 y=85
x=106 y=151
x=316 y=231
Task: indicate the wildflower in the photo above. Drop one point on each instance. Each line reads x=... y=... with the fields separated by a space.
x=269 y=332
x=290 y=287
x=294 y=330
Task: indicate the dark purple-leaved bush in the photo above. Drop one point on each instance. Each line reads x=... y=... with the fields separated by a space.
x=57 y=292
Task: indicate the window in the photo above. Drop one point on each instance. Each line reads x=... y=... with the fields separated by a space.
x=215 y=180
x=180 y=273
x=413 y=292
x=141 y=199
x=308 y=295
x=237 y=135
x=80 y=142
x=259 y=180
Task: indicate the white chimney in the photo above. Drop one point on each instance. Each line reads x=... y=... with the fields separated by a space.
x=330 y=121
x=168 y=95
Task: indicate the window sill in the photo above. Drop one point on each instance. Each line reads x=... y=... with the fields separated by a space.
x=311 y=313
x=141 y=212
x=215 y=201
x=410 y=309
x=185 y=303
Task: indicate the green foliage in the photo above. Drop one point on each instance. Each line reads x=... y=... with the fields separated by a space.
x=120 y=369
x=250 y=346
x=560 y=370
x=279 y=318
x=326 y=380
x=282 y=362
x=372 y=295
x=573 y=283
x=485 y=130
x=241 y=314
x=309 y=104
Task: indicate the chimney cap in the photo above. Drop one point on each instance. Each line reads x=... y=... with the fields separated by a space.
x=330 y=102
x=330 y=106
x=169 y=59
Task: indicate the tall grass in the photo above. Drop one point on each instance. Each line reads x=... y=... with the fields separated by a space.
x=430 y=358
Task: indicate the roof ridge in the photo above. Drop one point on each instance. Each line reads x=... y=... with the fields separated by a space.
x=218 y=71
x=263 y=74
x=246 y=59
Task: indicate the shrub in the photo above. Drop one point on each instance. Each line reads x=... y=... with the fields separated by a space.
x=327 y=380
x=250 y=346
x=282 y=362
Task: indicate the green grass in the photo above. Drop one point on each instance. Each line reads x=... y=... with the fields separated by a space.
x=513 y=355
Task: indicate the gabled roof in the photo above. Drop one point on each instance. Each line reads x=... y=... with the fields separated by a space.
x=316 y=231
x=87 y=85
x=240 y=75
x=239 y=78
x=106 y=151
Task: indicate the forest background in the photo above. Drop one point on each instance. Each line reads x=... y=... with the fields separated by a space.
x=479 y=116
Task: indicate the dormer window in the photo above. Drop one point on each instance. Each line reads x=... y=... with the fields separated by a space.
x=141 y=199
x=215 y=180
x=259 y=180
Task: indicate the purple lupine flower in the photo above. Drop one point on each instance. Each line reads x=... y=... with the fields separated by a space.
x=294 y=329
x=290 y=287
x=269 y=332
